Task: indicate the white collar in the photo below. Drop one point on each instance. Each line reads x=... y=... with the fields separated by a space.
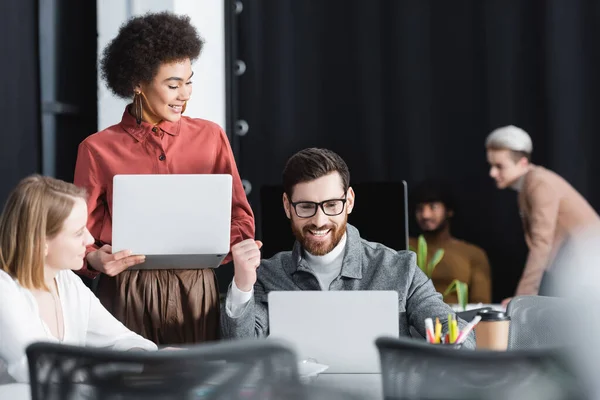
x=518 y=184
x=329 y=258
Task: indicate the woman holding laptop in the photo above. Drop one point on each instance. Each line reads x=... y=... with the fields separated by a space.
x=43 y=238
x=150 y=62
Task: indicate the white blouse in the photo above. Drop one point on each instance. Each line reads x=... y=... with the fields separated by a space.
x=86 y=322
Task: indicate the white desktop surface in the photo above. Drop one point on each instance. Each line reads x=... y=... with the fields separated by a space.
x=364 y=386
x=15 y=391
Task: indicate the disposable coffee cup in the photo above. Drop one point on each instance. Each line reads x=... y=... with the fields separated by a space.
x=491 y=333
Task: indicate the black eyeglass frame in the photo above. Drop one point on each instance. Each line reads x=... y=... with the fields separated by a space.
x=321 y=205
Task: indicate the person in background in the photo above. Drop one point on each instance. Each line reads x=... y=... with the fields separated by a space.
x=329 y=254
x=434 y=210
x=551 y=209
x=150 y=61
x=43 y=238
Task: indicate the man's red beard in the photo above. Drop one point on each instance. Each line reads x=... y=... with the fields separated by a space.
x=320 y=248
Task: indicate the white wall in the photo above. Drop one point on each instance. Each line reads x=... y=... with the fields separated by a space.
x=208 y=16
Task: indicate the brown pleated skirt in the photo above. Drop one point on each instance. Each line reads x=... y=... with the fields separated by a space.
x=165 y=306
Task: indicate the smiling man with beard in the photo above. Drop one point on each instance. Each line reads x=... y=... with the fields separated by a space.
x=434 y=209
x=329 y=254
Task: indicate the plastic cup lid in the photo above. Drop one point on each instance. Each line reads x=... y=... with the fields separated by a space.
x=493 y=315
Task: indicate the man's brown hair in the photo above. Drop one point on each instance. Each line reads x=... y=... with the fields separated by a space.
x=313 y=163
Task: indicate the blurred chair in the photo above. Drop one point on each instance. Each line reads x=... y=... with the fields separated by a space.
x=4 y=376
x=548 y=284
x=413 y=369
x=253 y=369
x=376 y=224
x=537 y=322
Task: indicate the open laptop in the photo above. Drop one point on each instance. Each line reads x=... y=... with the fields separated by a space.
x=335 y=328
x=176 y=221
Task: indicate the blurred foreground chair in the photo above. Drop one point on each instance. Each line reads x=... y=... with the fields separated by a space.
x=413 y=369
x=537 y=322
x=253 y=369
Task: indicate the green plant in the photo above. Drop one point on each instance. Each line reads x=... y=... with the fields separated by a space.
x=428 y=266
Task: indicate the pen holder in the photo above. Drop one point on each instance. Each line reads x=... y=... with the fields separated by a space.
x=449 y=345
x=446 y=345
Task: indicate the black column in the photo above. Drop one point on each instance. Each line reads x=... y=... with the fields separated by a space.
x=19 y=89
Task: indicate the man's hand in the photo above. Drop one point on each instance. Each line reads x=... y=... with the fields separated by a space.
x=246 y=259
x=102 y=260
x=506 y=301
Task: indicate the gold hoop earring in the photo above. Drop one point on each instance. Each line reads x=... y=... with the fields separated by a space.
x=137 y=107
x=183 y=107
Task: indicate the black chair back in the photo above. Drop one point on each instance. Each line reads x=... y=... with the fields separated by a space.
x=537 y=322
x=414 y=369
x=255 y=369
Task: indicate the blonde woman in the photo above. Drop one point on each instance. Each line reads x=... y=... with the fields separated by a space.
x=43 y=238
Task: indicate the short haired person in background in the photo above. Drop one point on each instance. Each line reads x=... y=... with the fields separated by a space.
x=43 y=238
x=434 y=209
x=329 y=254
x=551 y=209
x=150 y=61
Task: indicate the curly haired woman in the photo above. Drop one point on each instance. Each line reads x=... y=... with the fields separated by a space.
x=150 y=62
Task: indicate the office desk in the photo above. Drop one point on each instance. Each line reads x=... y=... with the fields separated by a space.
x=15 y=391
x=361 y=386
x=364 y=386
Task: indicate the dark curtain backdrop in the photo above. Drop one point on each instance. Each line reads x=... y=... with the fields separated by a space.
x=19 y=93
x=410 y=89
x=76 y=83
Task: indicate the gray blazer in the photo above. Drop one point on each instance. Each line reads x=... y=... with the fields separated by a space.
x=366 y=266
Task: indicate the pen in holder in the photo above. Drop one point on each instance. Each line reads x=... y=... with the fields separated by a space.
x=454 y=337
x=451 y=339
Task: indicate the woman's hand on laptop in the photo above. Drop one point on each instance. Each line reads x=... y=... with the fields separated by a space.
x=246 y=259
x=103 y=260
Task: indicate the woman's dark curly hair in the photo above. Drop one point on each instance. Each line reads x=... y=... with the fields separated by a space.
x=142 y=45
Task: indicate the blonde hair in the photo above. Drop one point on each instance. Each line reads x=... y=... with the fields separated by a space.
x=35 y=211
x=511 y=138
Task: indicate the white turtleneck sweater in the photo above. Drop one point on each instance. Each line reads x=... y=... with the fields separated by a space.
x=518 y=184
x=326 y=268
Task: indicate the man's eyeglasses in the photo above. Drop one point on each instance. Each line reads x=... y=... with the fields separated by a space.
x=307 y=209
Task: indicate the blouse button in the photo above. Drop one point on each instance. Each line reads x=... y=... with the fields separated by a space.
x=162 y=157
